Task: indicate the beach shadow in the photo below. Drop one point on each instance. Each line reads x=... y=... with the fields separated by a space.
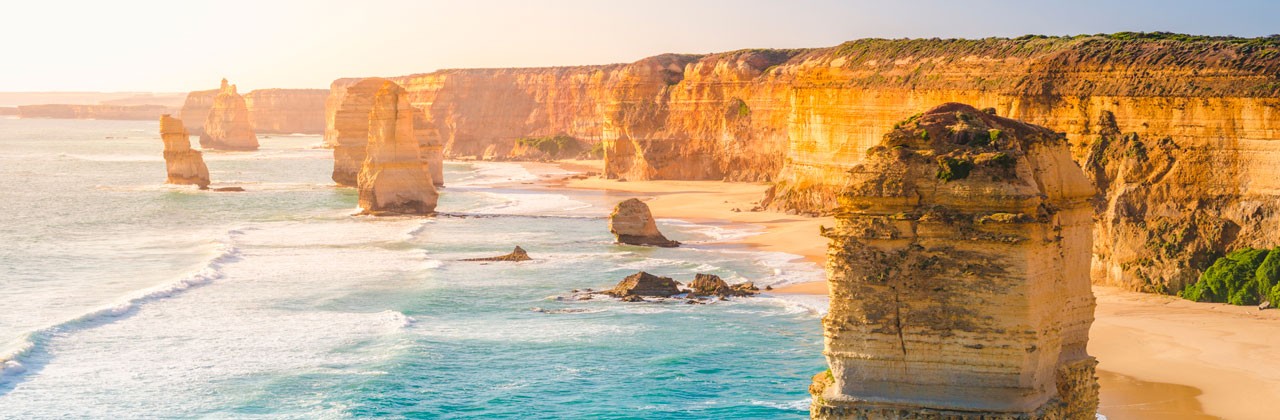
x=1124 y=397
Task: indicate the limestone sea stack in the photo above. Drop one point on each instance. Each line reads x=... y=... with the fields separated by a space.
x=632 y=224
x=959 y=276
x=394 y=178
x=347 y=109
x=185 y=165
x=227 y=125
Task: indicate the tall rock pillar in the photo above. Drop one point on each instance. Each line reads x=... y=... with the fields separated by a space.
x=959 y=276
x=184 y=165
x=227 y=125
x=394 y=178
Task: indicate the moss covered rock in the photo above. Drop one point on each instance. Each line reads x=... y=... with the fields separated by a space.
x=1243 y=277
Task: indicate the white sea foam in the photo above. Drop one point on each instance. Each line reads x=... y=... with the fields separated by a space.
x=12 y=360
x=816 y=305
x=797 y=405
x=485 y=174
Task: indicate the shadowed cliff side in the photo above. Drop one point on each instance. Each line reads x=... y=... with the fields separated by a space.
x=958 y=276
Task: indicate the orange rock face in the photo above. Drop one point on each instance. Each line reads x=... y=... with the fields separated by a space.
x=286 y=111
x=227 y=126
x=394 y=178
x=959 y=278
x=196 y=109
x=184 y=165
x=803 y=118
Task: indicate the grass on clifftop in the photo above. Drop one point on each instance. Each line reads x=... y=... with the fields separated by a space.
x=1244 y=277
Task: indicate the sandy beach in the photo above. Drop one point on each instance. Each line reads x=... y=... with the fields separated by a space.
x=1159 y=356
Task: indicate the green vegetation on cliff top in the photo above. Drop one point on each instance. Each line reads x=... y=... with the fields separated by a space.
x=1244 y=277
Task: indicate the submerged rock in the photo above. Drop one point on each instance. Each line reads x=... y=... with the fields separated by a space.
x=229 y=189
x=645 y=284
x=632 y=224
x=227 y=126
x=516 y=255
x=184 y=165
x=959 y=276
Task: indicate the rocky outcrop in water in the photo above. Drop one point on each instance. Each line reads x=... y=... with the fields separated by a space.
x=286 y=111
x=184 y=165
x=803 y=118
x=959 y=276
x=516 y=255
x=631 y=223
x=645 y=284
x=227 y=125
x=394 y=178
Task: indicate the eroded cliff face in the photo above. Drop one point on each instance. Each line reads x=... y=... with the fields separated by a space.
x=227 y=125
x=803 y=118
x=196 y=108
x=287 y=111
x=394 y=178
x=958 y=276
x=184 y=165
x=348 y=127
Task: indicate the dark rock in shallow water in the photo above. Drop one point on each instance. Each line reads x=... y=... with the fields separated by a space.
x=645 y=284
x=229 y=189
x=516 y=255
x=713 y=285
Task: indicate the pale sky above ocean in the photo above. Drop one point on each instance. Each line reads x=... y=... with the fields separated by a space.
x=146 y=45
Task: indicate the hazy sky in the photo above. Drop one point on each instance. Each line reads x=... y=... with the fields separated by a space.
x=180 y=45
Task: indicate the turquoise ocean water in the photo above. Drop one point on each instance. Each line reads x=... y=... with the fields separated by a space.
x=123 y=297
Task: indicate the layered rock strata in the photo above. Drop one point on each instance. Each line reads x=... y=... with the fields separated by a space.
x=348 y=128
x=394 y=178
x=184 y=165
x=631 y=223
x=227 y=125
x=959 y=276
x=286 y=111
x=803 y=118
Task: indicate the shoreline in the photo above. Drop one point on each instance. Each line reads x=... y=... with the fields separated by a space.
x=1159 y=356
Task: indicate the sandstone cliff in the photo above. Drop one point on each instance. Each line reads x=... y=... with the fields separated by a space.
x=227 y=125
x=196 y=109
x=958 y=276
x=286 y=111
x=803 y=118
x=93 y=112
x=184 y=165
x=394 y=178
